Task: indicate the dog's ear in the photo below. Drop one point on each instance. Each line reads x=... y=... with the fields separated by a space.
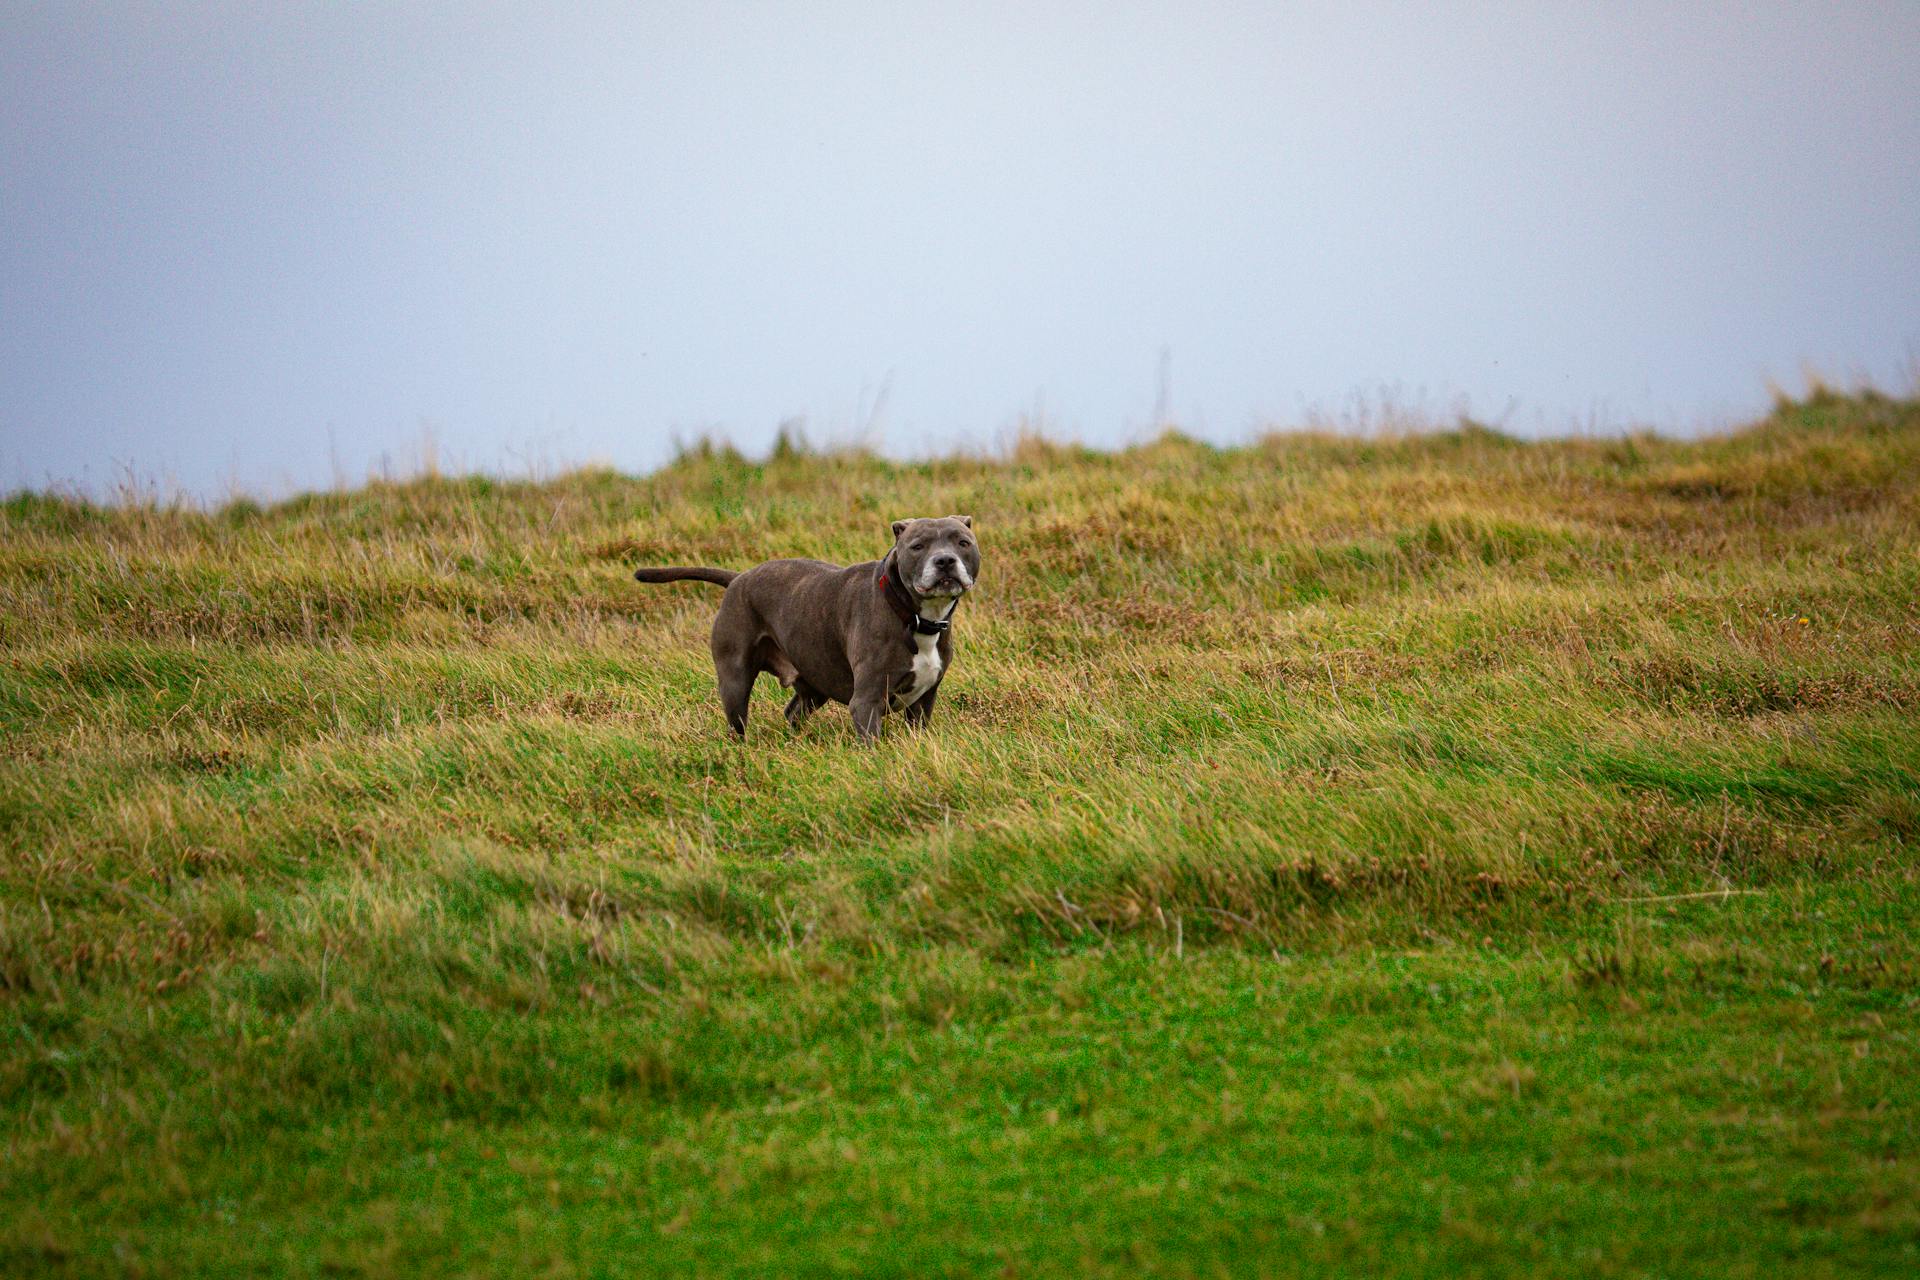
x=900 y=527
x=965 y=520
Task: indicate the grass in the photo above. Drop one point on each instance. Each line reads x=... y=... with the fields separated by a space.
x=1391 y=856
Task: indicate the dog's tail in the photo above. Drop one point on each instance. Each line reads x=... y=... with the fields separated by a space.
x=718 y=577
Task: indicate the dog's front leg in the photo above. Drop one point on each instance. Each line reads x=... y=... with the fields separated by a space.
x=869 y=702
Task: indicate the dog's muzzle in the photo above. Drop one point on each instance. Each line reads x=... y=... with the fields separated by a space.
x=948 y=581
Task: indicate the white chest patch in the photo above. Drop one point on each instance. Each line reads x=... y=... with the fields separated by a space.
x=926 y=671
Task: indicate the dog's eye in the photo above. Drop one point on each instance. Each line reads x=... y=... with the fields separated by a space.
x=919 y=546
x=965 y=543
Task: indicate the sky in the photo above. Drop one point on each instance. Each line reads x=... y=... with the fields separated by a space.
x=259 y=248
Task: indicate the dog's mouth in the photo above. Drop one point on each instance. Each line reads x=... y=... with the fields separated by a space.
x=946 y=584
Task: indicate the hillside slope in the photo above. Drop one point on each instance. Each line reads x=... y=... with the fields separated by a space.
x=1396 y=856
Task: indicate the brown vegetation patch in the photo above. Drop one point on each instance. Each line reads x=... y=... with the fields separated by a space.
x=1676 y=682
x=998 y=706
x=1137 y=615
x=576 y=704
x=1289 y=900
x=1653 y=834
x=201 y=758
x=637 y=551
x=1343 y=666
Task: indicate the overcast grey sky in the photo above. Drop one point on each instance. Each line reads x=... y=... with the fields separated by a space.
x=241 y=243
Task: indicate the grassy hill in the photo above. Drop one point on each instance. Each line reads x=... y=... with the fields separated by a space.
x=1397 y=856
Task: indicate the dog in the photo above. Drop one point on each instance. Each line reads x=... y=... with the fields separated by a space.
x=875 y=636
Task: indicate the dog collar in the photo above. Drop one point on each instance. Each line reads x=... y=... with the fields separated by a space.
x=896 y=596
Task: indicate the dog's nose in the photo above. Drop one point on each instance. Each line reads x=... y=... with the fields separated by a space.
x=945 y=562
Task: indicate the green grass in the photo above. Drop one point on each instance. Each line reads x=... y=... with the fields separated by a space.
x=1417 y=855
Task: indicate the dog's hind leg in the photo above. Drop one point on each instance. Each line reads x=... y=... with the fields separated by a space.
x=736 y=688
x=805 y=701
x=735 y=659
x=767 y=656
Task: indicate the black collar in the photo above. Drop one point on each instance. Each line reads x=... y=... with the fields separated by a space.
x=904 y=606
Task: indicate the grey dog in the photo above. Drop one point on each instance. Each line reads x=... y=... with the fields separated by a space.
x=876 y=636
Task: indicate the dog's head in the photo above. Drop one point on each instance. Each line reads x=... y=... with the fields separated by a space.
x=936 y=556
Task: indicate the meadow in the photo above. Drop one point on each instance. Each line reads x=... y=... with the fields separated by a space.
x=1425 y=853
